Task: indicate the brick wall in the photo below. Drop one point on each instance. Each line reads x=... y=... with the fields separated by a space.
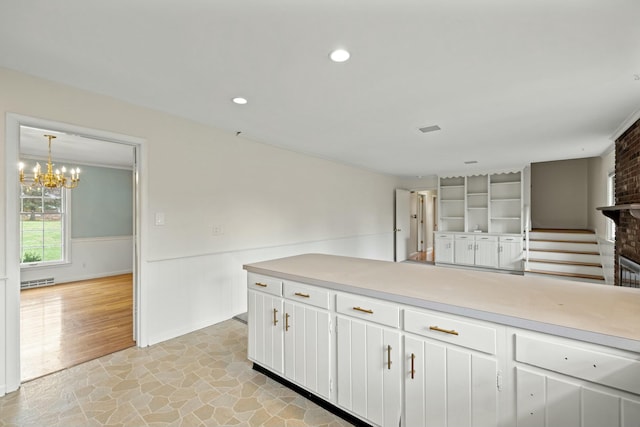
x=628 y=191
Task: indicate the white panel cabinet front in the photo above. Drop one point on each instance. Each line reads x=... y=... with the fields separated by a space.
x=369 y=366
x=444 y=248
x=448 y=386
x=307 y=345
x=265 y=330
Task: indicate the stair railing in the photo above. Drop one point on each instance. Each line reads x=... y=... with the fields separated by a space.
x=527 y=229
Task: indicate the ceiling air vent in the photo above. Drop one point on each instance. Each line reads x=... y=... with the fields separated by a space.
x=429 y=128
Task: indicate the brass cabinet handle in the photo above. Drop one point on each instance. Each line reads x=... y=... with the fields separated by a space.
x=264 y=285
x=388 y=357
x=275 y=316
x=300 y=294
x=446 y=331
x=286 y=321
x=364 y=310
x=413 y=369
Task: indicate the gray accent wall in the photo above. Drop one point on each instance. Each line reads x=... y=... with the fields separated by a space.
x=102 y=205
x=559 y=194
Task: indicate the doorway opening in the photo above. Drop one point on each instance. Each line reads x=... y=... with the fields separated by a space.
x=416 y=223
x=94 y=231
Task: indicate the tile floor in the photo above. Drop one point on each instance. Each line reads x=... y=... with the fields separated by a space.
x=199 y=379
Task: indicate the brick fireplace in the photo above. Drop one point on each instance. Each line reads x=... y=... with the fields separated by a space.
x=627 y=191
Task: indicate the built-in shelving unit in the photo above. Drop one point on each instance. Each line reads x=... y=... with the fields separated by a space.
x=489 y=203
x=452 y=203
x=506 y=202
x=477 y=214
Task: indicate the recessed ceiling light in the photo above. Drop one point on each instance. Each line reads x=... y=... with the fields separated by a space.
x=339 y=55
x=429 y=128
x=239 y=100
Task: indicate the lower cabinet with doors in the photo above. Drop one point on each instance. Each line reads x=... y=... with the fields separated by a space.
x=289 y=331
x=369 y=364
x=563 y=382
x=502 y=252
x=451 y=375
x=392 y=364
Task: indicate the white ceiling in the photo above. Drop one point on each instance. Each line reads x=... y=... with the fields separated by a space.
x=508 y=81
x=74 y=150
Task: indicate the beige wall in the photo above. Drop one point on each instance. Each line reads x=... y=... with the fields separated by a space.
x=559 y=194
x=599 y=170
x=270 y=203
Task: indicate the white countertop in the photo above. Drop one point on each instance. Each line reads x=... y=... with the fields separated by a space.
x=595 y=313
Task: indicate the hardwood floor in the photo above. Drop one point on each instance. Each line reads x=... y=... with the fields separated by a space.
x=422 y=256
x=67 y=324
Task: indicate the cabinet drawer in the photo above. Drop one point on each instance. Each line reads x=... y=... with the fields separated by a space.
x=516 y=239
x=444 y=236
x=481 y=238
x=368 y=309
x=588 y=364
x=311 y=295
x=270 y=285
x=464 y=237
x=443 y=328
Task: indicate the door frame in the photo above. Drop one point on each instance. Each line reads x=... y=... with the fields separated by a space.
x=12 y=251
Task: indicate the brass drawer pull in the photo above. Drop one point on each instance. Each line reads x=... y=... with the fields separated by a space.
x=264 y=285
x=275 y=316
x=300 y=294
x=286 y=321
x=446 y=331
x=413 y=369
x=388 y=357
x=364 y=310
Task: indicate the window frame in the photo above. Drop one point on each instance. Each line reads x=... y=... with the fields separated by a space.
x=65 y=233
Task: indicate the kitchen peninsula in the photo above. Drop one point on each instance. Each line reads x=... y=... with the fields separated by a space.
x=419 y=345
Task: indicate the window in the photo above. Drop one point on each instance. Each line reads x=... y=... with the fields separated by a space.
x=611 y=200
x=42 y=226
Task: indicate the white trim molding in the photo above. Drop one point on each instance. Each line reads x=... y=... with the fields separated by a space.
x=626 y=124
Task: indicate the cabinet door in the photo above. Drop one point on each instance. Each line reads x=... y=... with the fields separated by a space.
x=448 y=386
x=369 y=382
x=486 y=253
x=444 y=249
x=549 y=400
x=265 y=344
x=307 y=347
x=510 y=255
x=464 y=250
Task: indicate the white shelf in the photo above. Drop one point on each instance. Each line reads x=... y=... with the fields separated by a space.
x=511 y=218
x=452 y=217
x=505 y=200
x=484 y=207
x=477 y=194
x=452 y=186
x=452 y=200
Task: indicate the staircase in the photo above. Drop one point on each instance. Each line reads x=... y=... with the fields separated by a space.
x=566 y=254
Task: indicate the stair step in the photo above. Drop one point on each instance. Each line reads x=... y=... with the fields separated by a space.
x=563 y=251
x=581 y=242
x=574 y=275
x=556 y=261
x=564 y=235
x=562 y=230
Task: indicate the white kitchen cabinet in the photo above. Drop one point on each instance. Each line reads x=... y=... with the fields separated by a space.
x=486 y=251
x=444 y=248
x=510 y=253
x=464 y=249
x=561 y=382
x=477 y=250
x=369 y=366
x=266 y=346
x=307 y=340
x=451 y=371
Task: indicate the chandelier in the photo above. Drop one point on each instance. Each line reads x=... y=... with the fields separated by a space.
x=51 y=179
